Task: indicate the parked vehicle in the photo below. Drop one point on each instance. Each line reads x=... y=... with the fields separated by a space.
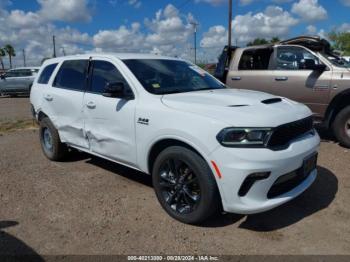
x=303 y=69
x=18 y=81
x=205 y=146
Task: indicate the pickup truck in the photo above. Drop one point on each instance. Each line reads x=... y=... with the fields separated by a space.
x=303 y=69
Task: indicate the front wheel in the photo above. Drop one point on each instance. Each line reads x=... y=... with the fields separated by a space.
x=185 y=185
x=50 y=141
x=341 y=127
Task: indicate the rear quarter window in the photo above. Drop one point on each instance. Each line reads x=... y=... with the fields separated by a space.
x=46 y=74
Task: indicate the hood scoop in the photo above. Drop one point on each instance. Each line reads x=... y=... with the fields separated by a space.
x=271 y=101
x=236 y=105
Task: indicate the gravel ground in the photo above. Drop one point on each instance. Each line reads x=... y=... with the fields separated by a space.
x=14 y=108
x=87 y=205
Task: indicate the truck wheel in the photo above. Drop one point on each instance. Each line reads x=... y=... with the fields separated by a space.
x=185 y=185
x=50 y=141
x=341 y=127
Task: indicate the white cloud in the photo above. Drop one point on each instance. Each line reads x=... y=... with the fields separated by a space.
x=346 y=2
x=119 y=40
x=212 y=2
x=274 y=21
x=135 y=3
x=246 y=2
x=215 y=37
x=344 y=27
x=65 y=10
x=309 y=10
x=311 y=30
x=29 y=31
x=166 y=33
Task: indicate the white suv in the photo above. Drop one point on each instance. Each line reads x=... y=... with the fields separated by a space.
x=207 y=147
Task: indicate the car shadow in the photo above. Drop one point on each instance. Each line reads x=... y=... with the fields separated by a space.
x=14 y=249
x=121 y=170
x=319 y=196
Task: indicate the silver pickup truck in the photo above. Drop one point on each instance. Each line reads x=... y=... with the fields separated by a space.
x=18 y=81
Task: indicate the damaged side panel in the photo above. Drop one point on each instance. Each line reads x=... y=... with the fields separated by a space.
x=110 y=127
x=65 y=110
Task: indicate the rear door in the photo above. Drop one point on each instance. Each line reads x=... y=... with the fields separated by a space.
x=109 y=121
x=63 y=101
x=293 y=79
x=252 y=70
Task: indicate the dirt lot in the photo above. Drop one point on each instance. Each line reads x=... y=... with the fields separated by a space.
x=90 y=206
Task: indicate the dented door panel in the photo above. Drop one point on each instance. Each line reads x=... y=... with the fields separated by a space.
x=65 y=108
x=110 y=127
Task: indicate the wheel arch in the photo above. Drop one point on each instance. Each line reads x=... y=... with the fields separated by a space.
x=339 y=102
x=41 y=115
x=164 y=143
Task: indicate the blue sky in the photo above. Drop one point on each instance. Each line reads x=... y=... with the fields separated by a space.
x=161 y=26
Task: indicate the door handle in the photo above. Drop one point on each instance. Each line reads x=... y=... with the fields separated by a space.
x=48 y=97
x=236 y=78
x=281 y=78
x=91 y=105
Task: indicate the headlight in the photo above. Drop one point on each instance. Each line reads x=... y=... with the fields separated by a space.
x=244 y=137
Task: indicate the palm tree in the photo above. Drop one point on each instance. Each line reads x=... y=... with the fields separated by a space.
x=2 y=54
x=10 y=52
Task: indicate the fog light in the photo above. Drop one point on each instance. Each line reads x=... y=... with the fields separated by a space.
x=250 y=180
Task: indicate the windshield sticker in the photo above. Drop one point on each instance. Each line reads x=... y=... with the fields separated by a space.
x=156 y=85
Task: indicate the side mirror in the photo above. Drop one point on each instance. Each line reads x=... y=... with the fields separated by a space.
x=311 y=65
x=2 y=76
x=117 y=90
x=320 y=68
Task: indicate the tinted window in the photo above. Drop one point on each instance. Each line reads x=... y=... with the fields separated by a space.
x=19 y=73
x=160 y=76
x=46 y=74
x=294 y=58
x=104 y=73
x=255 y=59
x=72 y=75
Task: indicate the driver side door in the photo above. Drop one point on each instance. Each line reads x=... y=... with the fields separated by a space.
x=109 y=122
x=293 y=78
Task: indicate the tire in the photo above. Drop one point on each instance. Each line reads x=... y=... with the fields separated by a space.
x=341 y=127
x=50 y=141
x=194 y=188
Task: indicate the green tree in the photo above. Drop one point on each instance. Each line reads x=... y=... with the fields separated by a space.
x=340 y=41
x=258 y=41
x=263 y=41
x=10 y=51
x=2 y=54
x=275 y=40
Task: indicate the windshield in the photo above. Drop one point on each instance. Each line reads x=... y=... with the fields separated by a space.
x=337 y=61
x=160 y=76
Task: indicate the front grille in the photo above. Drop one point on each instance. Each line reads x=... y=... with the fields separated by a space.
x=284 y=134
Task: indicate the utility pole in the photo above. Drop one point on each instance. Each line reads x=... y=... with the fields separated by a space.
x=63 y=51
x=54 y=45
x=24 y=57
x=229 y=23
x=195 y=40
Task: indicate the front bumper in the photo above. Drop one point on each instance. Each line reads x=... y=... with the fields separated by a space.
x=236 y=164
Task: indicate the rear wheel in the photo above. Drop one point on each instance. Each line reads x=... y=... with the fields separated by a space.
x=50 y=141
x=185 y=185
x=341 y=127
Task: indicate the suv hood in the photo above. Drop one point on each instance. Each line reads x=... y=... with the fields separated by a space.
x=238 y=107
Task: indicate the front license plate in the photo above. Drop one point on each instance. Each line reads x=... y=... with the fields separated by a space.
x=310 y=164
